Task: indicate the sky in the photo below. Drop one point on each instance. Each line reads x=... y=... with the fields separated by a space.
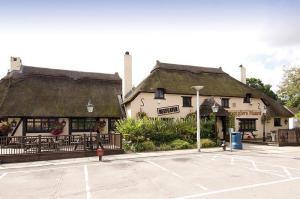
x=90 y=35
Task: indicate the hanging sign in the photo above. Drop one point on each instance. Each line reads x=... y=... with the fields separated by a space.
x=168 y=110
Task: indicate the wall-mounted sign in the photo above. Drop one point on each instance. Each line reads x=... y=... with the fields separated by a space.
x=168 y=110
x=245 y=112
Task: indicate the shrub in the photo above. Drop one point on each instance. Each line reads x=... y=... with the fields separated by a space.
x=148 y=146
x=137 y=147
x=165 y=147
x=180 y=144
x=207 y=143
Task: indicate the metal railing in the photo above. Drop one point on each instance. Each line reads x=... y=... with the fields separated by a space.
x=63 y=143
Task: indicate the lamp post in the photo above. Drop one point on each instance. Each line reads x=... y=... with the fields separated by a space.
x=197 y=88
x=264 y=120
x=215 y=109
x=90 y=109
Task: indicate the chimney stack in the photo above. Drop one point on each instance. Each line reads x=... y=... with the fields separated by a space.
x=243 y=74
x=127 y=81
x=15 y=63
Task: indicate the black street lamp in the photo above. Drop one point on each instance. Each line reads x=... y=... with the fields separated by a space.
x=264 y=121
x=215 y=109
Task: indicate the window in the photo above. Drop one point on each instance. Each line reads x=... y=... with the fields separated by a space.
x=247 y=98
x=159 y=93
x=277 y=121
x=112 y=124
x=186 y=101
x=247 y=125
x=39 y=125
x=225 y=102
x=83 y=124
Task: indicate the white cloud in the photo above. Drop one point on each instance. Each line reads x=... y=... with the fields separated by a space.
x=102 y=51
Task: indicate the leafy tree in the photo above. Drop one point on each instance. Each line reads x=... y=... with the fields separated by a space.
x=289 y=89
x=258 y=84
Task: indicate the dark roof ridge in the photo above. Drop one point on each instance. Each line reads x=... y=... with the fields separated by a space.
x=183 y=67
x=39 y=71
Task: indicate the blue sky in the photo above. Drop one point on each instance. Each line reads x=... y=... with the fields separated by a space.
x=261 y=35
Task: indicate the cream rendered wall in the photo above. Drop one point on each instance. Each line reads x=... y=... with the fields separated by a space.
x=20 y=128
x=145 y=102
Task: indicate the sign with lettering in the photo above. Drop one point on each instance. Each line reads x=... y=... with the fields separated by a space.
x=168 y=110
x=245 y=112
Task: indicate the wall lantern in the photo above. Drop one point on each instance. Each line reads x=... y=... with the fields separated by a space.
x=215 y=108
x=90 y=106
x=13 y=123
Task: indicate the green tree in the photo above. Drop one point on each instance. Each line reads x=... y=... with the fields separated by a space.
x=258 y=84
x=289 y=89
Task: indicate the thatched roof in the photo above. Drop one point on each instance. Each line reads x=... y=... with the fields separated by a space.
x=206 y=110
x=178 y=79
x=43 y=92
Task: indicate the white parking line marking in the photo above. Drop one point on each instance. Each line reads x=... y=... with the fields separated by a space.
x=237 y=188
x=232 y=161
x=164 y=169
x=51 y=168
x=173 y=173
x=87 y=187
x=287 y=172
x=2 y=175
x=202 y=187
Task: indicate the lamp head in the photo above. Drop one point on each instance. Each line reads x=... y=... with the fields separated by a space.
x=197 y=88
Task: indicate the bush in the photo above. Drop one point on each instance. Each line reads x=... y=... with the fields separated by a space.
x=165 y=147
x=148 y=146
x=180 y=144
x=137 y=147
x=207 y=143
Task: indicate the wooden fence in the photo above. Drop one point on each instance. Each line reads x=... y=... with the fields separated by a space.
x=288 y=137
x=19 y=145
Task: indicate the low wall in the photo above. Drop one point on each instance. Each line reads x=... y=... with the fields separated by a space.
x=53 y=156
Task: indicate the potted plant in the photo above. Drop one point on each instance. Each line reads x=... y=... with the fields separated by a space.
x=58 y=127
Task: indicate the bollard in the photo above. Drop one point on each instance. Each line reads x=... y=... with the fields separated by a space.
x=223 y=145
x=100 y=153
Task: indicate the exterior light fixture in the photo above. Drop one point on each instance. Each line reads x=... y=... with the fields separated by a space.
x=90 y=107
x=264 y=120
x=215 y=108
x=197 y=88
x=13 y=123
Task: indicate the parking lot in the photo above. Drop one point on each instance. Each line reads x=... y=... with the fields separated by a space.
x=257 y=172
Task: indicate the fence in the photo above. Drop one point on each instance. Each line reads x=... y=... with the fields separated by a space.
x=288 y=137
x=18 y=145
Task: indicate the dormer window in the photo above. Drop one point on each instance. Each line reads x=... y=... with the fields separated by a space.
x=159 y=93
x=247 y=98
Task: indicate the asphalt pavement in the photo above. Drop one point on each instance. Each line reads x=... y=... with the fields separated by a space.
x=256 y=172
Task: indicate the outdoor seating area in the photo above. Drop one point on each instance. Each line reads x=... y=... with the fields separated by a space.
x=19 y=145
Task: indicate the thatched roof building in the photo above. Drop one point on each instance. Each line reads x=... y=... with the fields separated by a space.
x=178 y=79
x=44 y=92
